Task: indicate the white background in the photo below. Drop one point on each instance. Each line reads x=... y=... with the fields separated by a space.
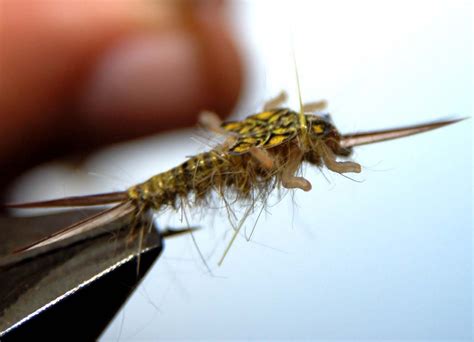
x=388 y=256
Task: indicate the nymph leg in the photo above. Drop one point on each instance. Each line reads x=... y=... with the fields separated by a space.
x=263 y=157
x=212 y=122
x=314 y=106
x=330 y=160
x=276 y=101
x=288 y=178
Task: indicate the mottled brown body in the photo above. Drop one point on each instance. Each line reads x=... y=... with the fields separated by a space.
x=287 y=139
x=192 y=181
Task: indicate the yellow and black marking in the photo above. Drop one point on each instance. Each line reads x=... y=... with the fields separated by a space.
x=266 y=130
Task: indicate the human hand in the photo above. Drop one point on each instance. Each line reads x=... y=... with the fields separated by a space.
x=78 y=74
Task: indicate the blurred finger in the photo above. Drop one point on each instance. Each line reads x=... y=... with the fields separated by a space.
x=78 y=74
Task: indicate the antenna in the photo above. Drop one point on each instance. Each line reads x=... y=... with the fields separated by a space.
x=297 y=77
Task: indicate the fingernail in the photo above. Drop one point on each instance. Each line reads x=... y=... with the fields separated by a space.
x=145 y=80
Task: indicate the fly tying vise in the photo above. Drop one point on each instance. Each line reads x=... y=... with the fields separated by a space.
x=261 y=153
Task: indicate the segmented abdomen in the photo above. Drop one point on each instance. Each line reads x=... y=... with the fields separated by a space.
x=193 y=180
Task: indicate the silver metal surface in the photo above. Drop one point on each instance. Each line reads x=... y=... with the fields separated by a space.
x=33 y=281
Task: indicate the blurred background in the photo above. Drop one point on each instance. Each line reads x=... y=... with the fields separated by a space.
x=385 y=255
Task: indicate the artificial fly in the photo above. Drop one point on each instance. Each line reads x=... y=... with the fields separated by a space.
x=260 y=154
